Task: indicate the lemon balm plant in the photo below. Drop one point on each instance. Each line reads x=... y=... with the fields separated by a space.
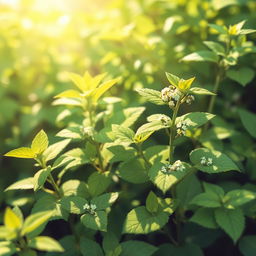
x=108 y=160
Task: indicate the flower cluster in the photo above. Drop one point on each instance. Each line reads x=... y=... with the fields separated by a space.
x=182 y=126
x=165 y=120
x=206 y=161
x=189 y=99
x=171 y=95
x=177 y=166
x=90 y=208
x=87 y=131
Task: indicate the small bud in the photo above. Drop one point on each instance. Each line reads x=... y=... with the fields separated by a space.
x=206 y=161
x=189 y=99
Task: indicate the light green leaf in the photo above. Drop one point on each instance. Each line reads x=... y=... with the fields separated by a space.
x=220 y=162
x=40 y=142
x=212 y=188
x=220 y=29
x=78 y=81
x=247 y=31
x=152 y=127
x=52 y=151
x=164 y=181
x=215 y=47
x=140 y=221
x=243 y=75
x=45 y=243
x=133 y=171
x=204 y=217
x=137 y=248
x=40 y=178
x=231 y=221
x=123 y=134
x=104 y=201
x=207 y=199
x=27 y=183
x=75 y=188
x=7 y=248
x=173 y=80
x=152 y=202
x=35 y=220
x=238 y=197
x=11 y=220
x=151 y=95
x=98 y=221
x=90 y=248
x=111 y=245
x=69 y=94
x=73 y=204
x=249 y=121
x=201 y=56
x=23 y=152
x=200 y=91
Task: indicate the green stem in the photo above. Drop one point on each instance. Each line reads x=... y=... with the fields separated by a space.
x=141 y=154
x=55 y=186
x=173 y=130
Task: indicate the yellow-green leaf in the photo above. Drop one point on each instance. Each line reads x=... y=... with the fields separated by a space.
x=69 y=94
x=138 y=138
x=184 y=85
x=103 y=88
x=78 y=81
x=40 y=142
x=11 y=220
x=22 y=152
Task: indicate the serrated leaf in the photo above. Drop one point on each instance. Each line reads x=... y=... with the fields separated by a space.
x=207 y=199
x=105 y=200
x=140 y=221
x=73 y=204
x=151 y=95
x=98 y=221
x=22 y=152
x=201 y=56
x=45 y=243
x=204 y=217
x=215 y=47
x=26 y=183
x=11 y=220
x=200 y=91
x=220 y=162
x=164 y=181
x=231 y=221
x=40 y=142
x=243 y=75
x=35 y=220
x=52 y=151
x=123 y=134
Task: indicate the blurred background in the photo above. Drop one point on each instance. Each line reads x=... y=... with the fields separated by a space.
x=137 y=39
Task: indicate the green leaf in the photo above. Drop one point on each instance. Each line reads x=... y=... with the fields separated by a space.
x=104 y=201
x=200 y=91
x=27 y=183
x=207 y=199
x=151 y=95
x=164 y=181
x=220 y=29
x=238 y=197
x=201 y=56
x=103 y=88
x=40 y=178
x=204 y=217
x=247 y=245
x=69 y=94
x=111 y=244
x=249 y=121
x=247 y=31
x=11 y=220
x=212 y=188
x=78 y=81
x=137 y=248
x=35 y=220
x=152 y=127
x=220 y=162
x=98 y=183
x=152 y=202
x=73 y=132
x=90 y=248
x=195 y=119
x=45 y=243
x=21 y=153
x=133 y=171
x=140 y=221
x=40 y=142
x=243 y=75
x=173 y=80
x=75 y=188
x=52 y=151
x=7 y=248
x=231 y=221
x=123 y=134
x=215 y=47
x=73 y=204
x=98 y=221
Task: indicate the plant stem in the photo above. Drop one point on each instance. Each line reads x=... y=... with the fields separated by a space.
x=141 y=154
x=55 y=186
x=173 y=130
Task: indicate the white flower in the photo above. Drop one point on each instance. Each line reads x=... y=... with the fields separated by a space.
x=190 y=99
x=169 y=168
x=182 y=126
x=206 y=161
